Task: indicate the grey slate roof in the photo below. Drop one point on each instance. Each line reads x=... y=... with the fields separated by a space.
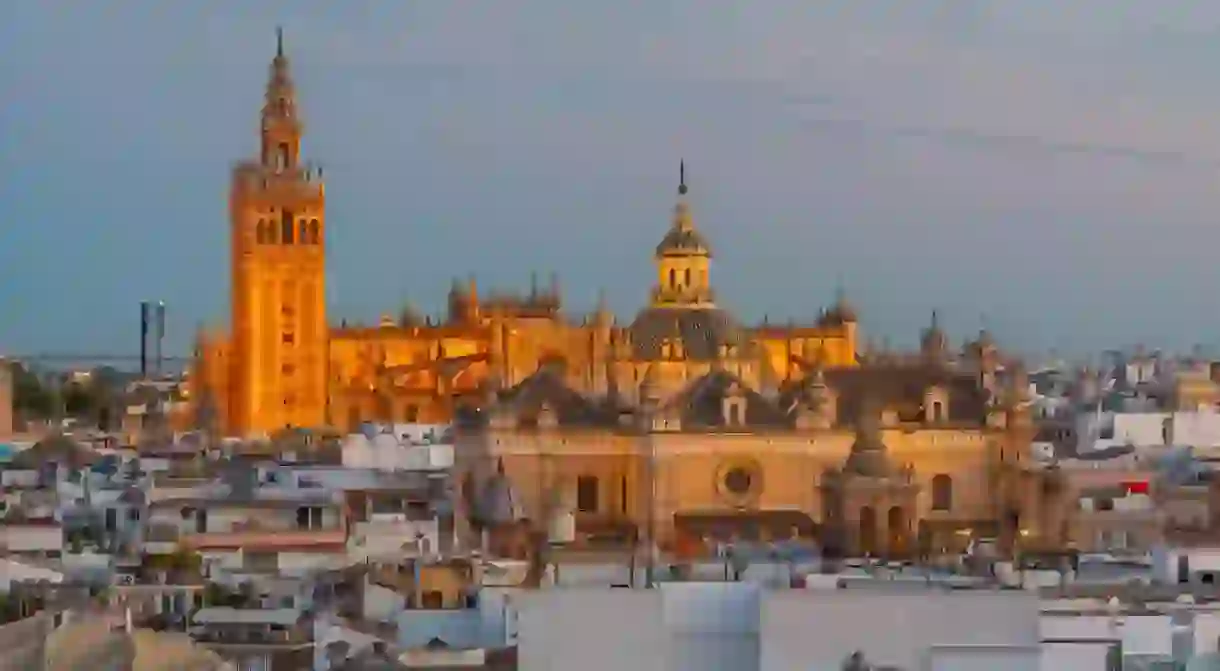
x=546 y=388
x=699 y=406
x=702 y=332
x=899 y=386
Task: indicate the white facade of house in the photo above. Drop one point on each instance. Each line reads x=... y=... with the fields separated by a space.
x=12 y=571
x=744 y=627
x=1101 y=430
x=402 y=448
x=34 y=538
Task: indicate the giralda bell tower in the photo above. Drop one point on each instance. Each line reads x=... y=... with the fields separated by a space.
x=277 y=210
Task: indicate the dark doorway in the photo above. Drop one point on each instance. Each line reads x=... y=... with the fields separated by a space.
x=868 y=530
x=896 y=523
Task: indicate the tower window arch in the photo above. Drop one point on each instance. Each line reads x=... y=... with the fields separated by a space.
x=314 y=232
x=283 y=156
x=942 y=492
x=260 y=232
x=587 y=494
x=287 y=226
x=673 y=278
x=303 y=232
x=686 y=277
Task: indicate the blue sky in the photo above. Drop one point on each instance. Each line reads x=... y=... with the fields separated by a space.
x=1049 y=168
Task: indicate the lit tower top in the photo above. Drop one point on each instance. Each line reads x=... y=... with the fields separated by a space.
x=281 y=128
x=682 y=320
x=683 y=258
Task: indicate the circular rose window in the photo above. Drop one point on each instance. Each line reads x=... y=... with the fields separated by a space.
x=738 y=481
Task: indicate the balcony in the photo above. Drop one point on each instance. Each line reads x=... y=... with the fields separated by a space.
x=267 y=539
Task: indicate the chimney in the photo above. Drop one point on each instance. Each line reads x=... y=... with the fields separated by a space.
x=145 y=318
x=159 y=336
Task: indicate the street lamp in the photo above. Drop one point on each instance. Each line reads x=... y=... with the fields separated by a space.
x=651 y=520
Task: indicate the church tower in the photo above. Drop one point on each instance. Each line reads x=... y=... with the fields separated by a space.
x=277 y=215
x=683 y=259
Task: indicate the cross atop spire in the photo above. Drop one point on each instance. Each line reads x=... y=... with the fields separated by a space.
x=682 y=177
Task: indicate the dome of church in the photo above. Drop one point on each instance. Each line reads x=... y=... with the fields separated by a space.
x=702 y=332
x=681 y=241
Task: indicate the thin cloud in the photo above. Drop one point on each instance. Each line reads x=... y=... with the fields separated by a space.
x=1021 y=146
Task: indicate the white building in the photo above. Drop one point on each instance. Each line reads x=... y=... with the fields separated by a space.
x=744 y=627
x=400 y=447
x=1102 y=430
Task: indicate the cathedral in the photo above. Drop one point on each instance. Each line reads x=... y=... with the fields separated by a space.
x=683 y=422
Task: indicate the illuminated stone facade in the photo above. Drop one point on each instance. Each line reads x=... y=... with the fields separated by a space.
x=282 y=366
x=683 y=421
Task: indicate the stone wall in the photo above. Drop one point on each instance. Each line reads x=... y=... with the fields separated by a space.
x=24 y=643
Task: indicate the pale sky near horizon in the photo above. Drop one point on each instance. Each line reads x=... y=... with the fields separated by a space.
x=1049 y=168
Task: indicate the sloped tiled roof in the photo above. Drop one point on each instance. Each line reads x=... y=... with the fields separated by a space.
x=900 y=386
x=59 y=448
x=546 y=388
x=700 y=404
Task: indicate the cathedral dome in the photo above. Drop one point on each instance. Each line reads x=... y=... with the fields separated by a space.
x=704 y=333
x=683 y=242
x=844 y=312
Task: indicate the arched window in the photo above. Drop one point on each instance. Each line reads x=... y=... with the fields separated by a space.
x=287 y=226
x=686 y=277
x=284 y=156
x=303 y=232
x=260 y=232
x=315 y=233
x=942 y=492
x=673 y=278
x=586 y=493
x=868 y=530
x=896 y=523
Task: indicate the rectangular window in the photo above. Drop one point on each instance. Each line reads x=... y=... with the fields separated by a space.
x=287 y=227
x=287 y=369
x=432 y=600
x=288 y=338
x=586 y=494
